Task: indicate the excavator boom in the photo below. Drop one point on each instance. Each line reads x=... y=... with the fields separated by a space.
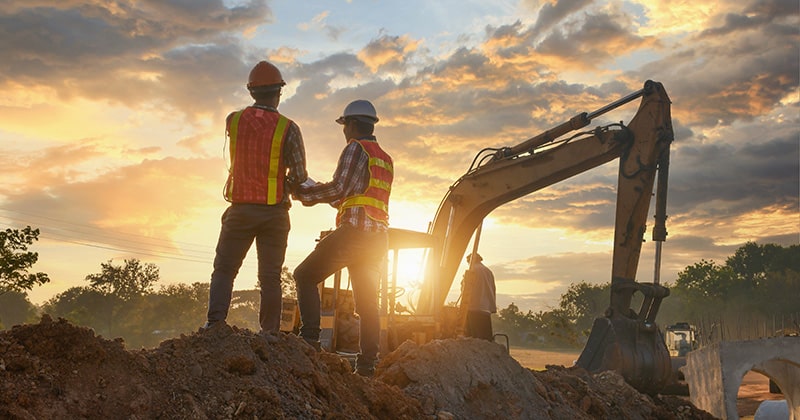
x=624 y=340
x=528 y=167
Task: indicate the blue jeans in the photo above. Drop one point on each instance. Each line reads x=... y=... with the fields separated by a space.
x=242 y=224
x=364 y=254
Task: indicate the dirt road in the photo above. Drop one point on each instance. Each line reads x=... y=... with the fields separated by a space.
x=538 y=359
x=754 y=390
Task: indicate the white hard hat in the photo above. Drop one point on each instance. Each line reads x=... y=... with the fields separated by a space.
x=361 y=110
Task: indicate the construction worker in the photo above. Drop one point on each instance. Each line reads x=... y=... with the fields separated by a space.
x=267 y=161
x=360 y=191
x=478 y=298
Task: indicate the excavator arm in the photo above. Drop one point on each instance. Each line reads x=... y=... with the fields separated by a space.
x=624 y=340
x=541 y=161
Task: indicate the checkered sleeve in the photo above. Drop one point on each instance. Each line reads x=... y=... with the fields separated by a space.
x=294 y=157
x=346 y=179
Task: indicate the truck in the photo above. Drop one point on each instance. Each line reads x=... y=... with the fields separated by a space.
x=623 y=340
x=680 y=338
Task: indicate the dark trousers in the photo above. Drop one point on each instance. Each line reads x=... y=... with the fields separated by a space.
x=242 y=224
x=363 y=253
x=479 y=325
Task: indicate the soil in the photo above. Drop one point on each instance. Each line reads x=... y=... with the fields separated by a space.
x=56 y=370
x=753 y=391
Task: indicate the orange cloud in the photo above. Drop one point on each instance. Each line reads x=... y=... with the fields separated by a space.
x=388 y=53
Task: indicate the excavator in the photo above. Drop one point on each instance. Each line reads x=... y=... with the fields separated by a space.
x=623 y=340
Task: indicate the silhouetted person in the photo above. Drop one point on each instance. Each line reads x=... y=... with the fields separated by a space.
x=267 y=161
x=478 y=298
x=360 y=191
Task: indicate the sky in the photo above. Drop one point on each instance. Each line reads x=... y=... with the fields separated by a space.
x=112 y=123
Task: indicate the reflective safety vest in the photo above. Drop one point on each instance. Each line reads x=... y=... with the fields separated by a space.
x=257 y=171
x=375 y=198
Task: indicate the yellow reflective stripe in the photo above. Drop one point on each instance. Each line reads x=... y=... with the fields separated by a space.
x=233 y=133
x=361 y=200
x=275 y=159
x=373 y=161
x=377 y=183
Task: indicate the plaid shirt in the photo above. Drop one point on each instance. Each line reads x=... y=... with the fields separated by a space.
x=350 y=178
x=294 y=156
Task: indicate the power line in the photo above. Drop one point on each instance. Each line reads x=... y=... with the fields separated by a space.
x=101 y=232
x=58 y=234
x=90 y=236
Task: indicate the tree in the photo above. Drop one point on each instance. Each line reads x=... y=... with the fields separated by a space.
x=288 y=286
x=110 y=303
x=707 y=280
x=175 y=309
x=757 y=285
x=552 y=329
x=83 y=306
x=559 y=328
x=16 y=260
x=583 y=302
x=125 y=282
x=244 y=309
x=518 y=325
x=15 y=309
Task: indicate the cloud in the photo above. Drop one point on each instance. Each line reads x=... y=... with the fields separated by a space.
x=153 y=197
x=713 y=172
x=552 y=13
x=735 y=71
x=129 y=53
x=108 y=102
x=318 y=23
x=756 y=14
x=446 y=112
x=601 y=36
x=388 y=53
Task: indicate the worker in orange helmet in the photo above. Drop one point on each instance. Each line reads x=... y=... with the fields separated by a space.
x=360 y=190
x=267 y=161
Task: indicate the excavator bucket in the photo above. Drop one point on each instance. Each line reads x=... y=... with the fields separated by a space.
x=631 y=345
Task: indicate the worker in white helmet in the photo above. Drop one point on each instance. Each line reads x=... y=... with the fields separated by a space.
x=360 y=191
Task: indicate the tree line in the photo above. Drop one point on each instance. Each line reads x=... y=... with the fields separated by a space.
x=119 y=301
x=755 y=290
x=760 y=282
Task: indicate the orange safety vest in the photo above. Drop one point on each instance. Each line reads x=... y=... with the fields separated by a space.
x=375 y=198
x=257 y=171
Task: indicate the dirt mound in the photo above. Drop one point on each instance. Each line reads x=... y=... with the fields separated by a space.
x=56 y=370
x=472 y=378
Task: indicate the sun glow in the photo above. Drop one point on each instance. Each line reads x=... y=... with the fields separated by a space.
x=405 y=275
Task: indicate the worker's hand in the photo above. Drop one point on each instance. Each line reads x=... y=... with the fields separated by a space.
x=308 y=183
x=297 y=194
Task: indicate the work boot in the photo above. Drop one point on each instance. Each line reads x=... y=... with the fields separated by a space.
x=364 y=366
x=365 y=371
x=271 y=336
x=208 y=325
x=315 y=344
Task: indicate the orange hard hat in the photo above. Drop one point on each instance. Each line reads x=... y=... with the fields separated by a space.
x=264 y=74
